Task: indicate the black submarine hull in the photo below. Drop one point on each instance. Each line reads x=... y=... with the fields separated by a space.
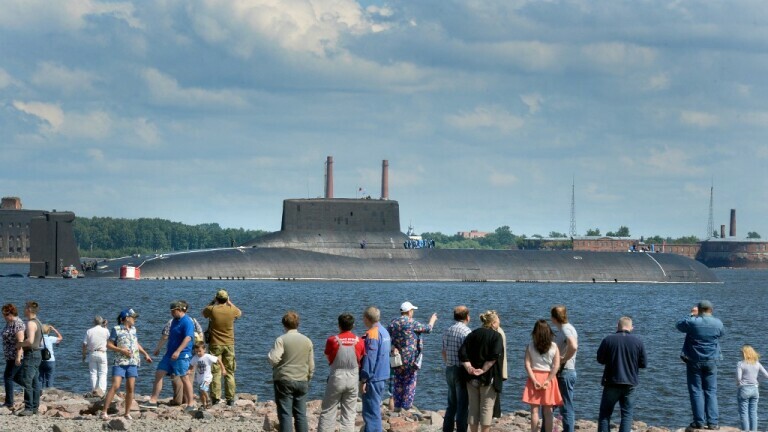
x=416 y=265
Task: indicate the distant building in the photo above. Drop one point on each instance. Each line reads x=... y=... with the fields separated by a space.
x=14 y=229
x=607 y=244
x=472 y=234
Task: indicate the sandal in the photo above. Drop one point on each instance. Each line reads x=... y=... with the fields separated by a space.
x=104 y=416
x=128 y=417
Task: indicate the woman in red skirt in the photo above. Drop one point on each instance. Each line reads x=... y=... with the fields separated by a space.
x=542 y=361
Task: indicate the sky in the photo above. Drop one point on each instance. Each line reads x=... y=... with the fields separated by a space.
x=214 y=111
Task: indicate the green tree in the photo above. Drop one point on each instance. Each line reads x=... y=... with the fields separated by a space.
x=753 y=235
x=555 y=234
x=593 y=232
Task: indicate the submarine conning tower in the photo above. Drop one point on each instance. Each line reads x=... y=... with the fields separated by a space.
x=333 y=223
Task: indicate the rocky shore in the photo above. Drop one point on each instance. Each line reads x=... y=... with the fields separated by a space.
x=61 y=411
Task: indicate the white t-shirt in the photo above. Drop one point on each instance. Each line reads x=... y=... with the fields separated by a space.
x=96 y=339
x=203 y=367
x=542 y=362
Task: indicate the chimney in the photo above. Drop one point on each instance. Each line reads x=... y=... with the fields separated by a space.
x=385 y=179
x=722 y=231
x=329 y=177
x=733 y=223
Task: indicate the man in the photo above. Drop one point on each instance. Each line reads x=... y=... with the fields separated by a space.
x=30 y=363
x=374 y=370
x=178 y=388
x=456 y=413
x=94 y=351
x=623 y=354
x=177 y=355
x=344 y=352
x=221 y=314
x=701 y=353
x=293 y=364
x=567 y=343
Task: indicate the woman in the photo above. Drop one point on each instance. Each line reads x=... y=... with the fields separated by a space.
x=748 y=371
x=12 y=333
x=47 y=366
x=94 y=349
x=123 y=341
x=406 y=339
x=542 y=361
x=482 y=355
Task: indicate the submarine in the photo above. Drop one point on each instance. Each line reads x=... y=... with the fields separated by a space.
x=346 y=239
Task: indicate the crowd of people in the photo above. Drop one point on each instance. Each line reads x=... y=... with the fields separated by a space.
x=384 y=359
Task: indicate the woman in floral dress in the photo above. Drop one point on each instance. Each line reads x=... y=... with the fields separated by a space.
x=12 y=333
x=406 y=339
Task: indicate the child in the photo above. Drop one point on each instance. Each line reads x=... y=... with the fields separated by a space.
x=201 y=367
x=747 y=372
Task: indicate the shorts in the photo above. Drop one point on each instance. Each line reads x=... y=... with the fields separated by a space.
x=125 y=371
x=205 y=386
x=178 y=367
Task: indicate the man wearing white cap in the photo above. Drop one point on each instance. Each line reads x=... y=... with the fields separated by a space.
x=406 y=339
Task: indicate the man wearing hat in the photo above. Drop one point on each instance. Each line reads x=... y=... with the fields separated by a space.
x=405 y=333
x=701 y=353
x=221 y=314
x=179 y=352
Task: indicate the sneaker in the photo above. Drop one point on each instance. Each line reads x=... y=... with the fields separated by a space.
x=149 y=405
x=230 y=402
x=26 y=413
x=713 y=427
x=190 y=408
x=695 y=425
x=215 y=401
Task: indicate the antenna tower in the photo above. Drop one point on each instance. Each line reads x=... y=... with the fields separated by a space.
x=711 y=224
x=573 y=208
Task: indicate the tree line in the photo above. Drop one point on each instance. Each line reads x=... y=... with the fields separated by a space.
x=105 y=237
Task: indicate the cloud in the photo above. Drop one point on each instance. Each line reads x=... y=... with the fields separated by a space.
x=165 y=90
x=146 y=131
x=699 y=119
x=594 y=193
x=616 y=57
x=91 y=125
x=62 y=14
x=500 y=179
x=759 y=119
x=310 y=26
x=486 y=117
x=658 y=82
x=532 y=101
x=5 y=79
x=672 y=161
x=52 y=75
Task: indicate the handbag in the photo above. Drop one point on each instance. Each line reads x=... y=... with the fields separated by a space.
x=395 y=360
x=45 y=353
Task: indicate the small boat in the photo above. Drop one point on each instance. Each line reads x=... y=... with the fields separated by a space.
x=70 y=272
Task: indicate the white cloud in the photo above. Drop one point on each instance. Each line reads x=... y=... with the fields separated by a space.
x=50 y=113
x=617 y=57
x=502 y=179
x=5 y=79
x=699 y=119
x=755 y=118
x=146 y=131
x=96 y=155
x=672 y=161
x=166 y=90
x=91 y=125
x=62 y=14
x=52 y=75
x=486 y=117
x=658 y=82
x=594 y=193
x=532 y=101
x=744 y=90
x=313 y=26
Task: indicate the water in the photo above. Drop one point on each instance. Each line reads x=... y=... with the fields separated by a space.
x=593 y=309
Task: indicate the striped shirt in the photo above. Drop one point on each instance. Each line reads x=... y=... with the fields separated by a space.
x=452 y=339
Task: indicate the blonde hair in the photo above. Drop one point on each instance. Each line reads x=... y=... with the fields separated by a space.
x=749 y=354
x=488 y=318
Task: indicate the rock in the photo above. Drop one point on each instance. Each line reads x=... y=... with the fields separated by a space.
x=435 y=419
x=120 y=424
x=59 y=428
x=270 y=422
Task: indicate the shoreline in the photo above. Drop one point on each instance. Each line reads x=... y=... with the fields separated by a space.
x=64 y=411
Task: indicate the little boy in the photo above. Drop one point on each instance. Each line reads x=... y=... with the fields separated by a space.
x=201 y=367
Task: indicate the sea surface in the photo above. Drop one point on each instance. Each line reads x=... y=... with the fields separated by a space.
x=740 y=301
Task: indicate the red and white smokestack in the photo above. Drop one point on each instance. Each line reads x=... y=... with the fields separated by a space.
x=733 y=222
x=385 y=179
x=329 y=177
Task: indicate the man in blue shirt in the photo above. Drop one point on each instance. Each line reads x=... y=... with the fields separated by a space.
x=177 y=356
x=701 y=353
x=374 y=371
x=623 y=354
